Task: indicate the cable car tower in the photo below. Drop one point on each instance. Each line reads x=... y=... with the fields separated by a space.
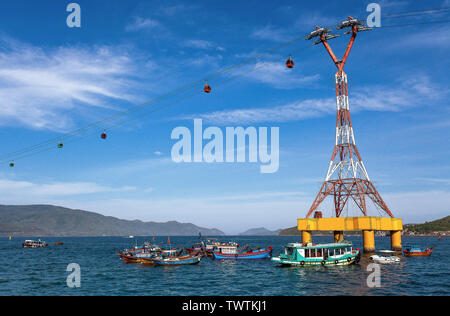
x=347 y=177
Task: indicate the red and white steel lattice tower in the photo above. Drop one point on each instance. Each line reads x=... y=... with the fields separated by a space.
x=346 y=177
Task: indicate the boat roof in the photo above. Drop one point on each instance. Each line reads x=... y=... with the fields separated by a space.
x=316 y=246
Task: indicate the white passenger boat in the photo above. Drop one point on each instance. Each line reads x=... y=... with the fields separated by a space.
x=385 y=256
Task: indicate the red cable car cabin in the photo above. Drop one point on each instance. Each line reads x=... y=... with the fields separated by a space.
x=103 y=136
x=290 y=63
x=207 y=88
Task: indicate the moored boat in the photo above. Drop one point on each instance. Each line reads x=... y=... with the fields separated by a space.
x=146 y=253
x=297 y=254
x=180 y=260
x=232 y=251
x=385 y=256
x=34 y=244
x=197 y=249
x=416 y=251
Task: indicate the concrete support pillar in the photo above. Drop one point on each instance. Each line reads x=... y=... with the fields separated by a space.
x=338 y=236
x=369 y=241
x=396 y=240
x=306 y=237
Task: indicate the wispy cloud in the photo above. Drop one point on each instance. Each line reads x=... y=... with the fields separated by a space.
x=423 y=40
x=140 y=24
x=37 y=85
x=290 y=112
x=270 y=33
x=412 y=93
x=25 y=188
x=392 y=3
x=202 y=44
x=278 y=76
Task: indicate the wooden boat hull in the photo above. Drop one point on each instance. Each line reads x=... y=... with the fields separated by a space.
x=425 y=253
x=127 y=258
x=256 y=254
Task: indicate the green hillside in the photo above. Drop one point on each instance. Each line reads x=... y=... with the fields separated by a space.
x=49 y=220
x=440 y=225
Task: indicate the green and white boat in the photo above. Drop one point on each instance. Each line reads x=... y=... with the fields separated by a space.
x=336 y=254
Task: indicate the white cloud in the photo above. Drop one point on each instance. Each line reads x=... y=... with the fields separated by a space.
x=140 y=24
x=307 y=22
x=411 y=93
x=392 y=3
x=26 y=189
x=291 y=112
x=212 y=61
x=38 y=86
x=279 y=76
x=202 y=44
x=423 y=40
x=270 y=33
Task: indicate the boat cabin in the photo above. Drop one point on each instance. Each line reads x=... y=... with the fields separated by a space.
x=226 y=249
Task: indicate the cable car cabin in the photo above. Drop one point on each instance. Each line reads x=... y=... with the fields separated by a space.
x=60 y=145
x=207 y=88
x=11 y=164
x=290 y=63
x=103 y=136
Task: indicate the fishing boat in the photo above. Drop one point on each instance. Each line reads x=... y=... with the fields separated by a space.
x=177 y=261
x=232 y=251
x=416 y=251
x=197 y=249
x=385 y=256
x=34 y=244
x=135 y=254
x=146 y=253
x=297 y=254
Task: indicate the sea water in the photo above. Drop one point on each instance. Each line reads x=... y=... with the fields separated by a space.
x=43 y=271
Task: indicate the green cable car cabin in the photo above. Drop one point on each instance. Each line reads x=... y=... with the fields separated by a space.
x=297 y=254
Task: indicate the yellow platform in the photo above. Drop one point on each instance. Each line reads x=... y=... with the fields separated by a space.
x=350 y=223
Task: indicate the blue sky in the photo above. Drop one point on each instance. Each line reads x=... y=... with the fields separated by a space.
x=54 y=79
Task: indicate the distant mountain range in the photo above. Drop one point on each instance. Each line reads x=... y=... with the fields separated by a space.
x=49 y=220
x=260 y=232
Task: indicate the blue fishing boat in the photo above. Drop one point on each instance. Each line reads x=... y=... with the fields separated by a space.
x=177 y=261
x=232 y=251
